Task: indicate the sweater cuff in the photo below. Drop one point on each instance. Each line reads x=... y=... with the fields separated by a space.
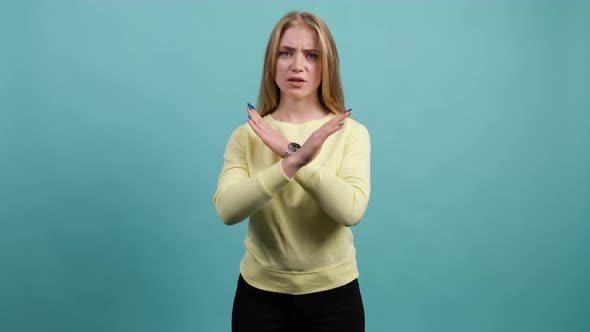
x=307 y=175
x=273 y=179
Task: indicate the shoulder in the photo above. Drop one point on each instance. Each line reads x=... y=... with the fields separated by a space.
x=241 y=131
x=356 y=135
x=354 y=127
x=240 y=136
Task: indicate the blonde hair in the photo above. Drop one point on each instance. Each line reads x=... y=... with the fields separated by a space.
x=330 y=90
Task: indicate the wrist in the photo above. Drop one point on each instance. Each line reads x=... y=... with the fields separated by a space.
x=291 y=165
x=291 y=148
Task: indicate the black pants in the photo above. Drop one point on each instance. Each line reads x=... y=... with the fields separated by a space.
x=340 y=309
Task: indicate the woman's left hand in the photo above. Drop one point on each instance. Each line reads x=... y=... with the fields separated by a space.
x=270 y=137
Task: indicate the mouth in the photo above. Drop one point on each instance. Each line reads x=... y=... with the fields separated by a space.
x=296 y=79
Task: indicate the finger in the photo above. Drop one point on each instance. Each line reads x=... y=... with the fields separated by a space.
x=334 y=127
x=254 y=127
x=335 y=124
x=339 y=119
x=257 y=119
x=255 y=123
x=260 y=131
x=264 y=128
x=344 y=115
x=253 y=112
x=251 y=118
x=250 y=113
x=254 y=120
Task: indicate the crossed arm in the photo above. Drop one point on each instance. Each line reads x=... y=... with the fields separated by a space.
x=310 y=149
x=343 y=197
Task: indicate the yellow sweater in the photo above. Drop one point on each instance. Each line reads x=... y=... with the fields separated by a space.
x=298 y=239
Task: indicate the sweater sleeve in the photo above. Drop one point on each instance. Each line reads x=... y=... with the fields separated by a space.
x=343 y=196
x=239 y=194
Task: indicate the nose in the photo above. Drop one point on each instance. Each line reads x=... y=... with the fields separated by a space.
x=297 y=65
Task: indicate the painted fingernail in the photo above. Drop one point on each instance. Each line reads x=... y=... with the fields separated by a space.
x=250 y=106
x=350 y=109
x=249 y=118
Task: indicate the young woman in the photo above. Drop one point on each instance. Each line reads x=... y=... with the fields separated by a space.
x=300 y=170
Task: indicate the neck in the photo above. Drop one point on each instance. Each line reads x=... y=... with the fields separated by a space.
x=299 y=110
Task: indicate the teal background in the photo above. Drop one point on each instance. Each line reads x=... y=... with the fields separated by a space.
x=114 y=116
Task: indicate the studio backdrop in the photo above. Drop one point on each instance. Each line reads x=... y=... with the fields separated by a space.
x=114 y=116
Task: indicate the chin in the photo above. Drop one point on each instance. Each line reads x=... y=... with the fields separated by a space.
x=297 y=94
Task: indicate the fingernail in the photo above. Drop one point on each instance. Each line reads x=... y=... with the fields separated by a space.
x=341 y=124
x=249 y=117
x=250 y=106
x=350 y=109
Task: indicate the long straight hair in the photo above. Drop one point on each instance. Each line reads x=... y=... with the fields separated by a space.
x=330 y=90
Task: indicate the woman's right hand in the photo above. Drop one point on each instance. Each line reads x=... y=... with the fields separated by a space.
x=313 y=145
x=270 y=137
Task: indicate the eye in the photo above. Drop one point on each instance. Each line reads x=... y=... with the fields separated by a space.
x=312 y=56
x=284 y=53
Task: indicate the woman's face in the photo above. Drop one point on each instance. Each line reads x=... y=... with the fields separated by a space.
x=299 y=66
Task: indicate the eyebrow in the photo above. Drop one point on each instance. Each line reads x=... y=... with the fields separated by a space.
x=289 y=48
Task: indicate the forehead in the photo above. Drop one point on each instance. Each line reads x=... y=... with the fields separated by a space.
x=300 y=35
